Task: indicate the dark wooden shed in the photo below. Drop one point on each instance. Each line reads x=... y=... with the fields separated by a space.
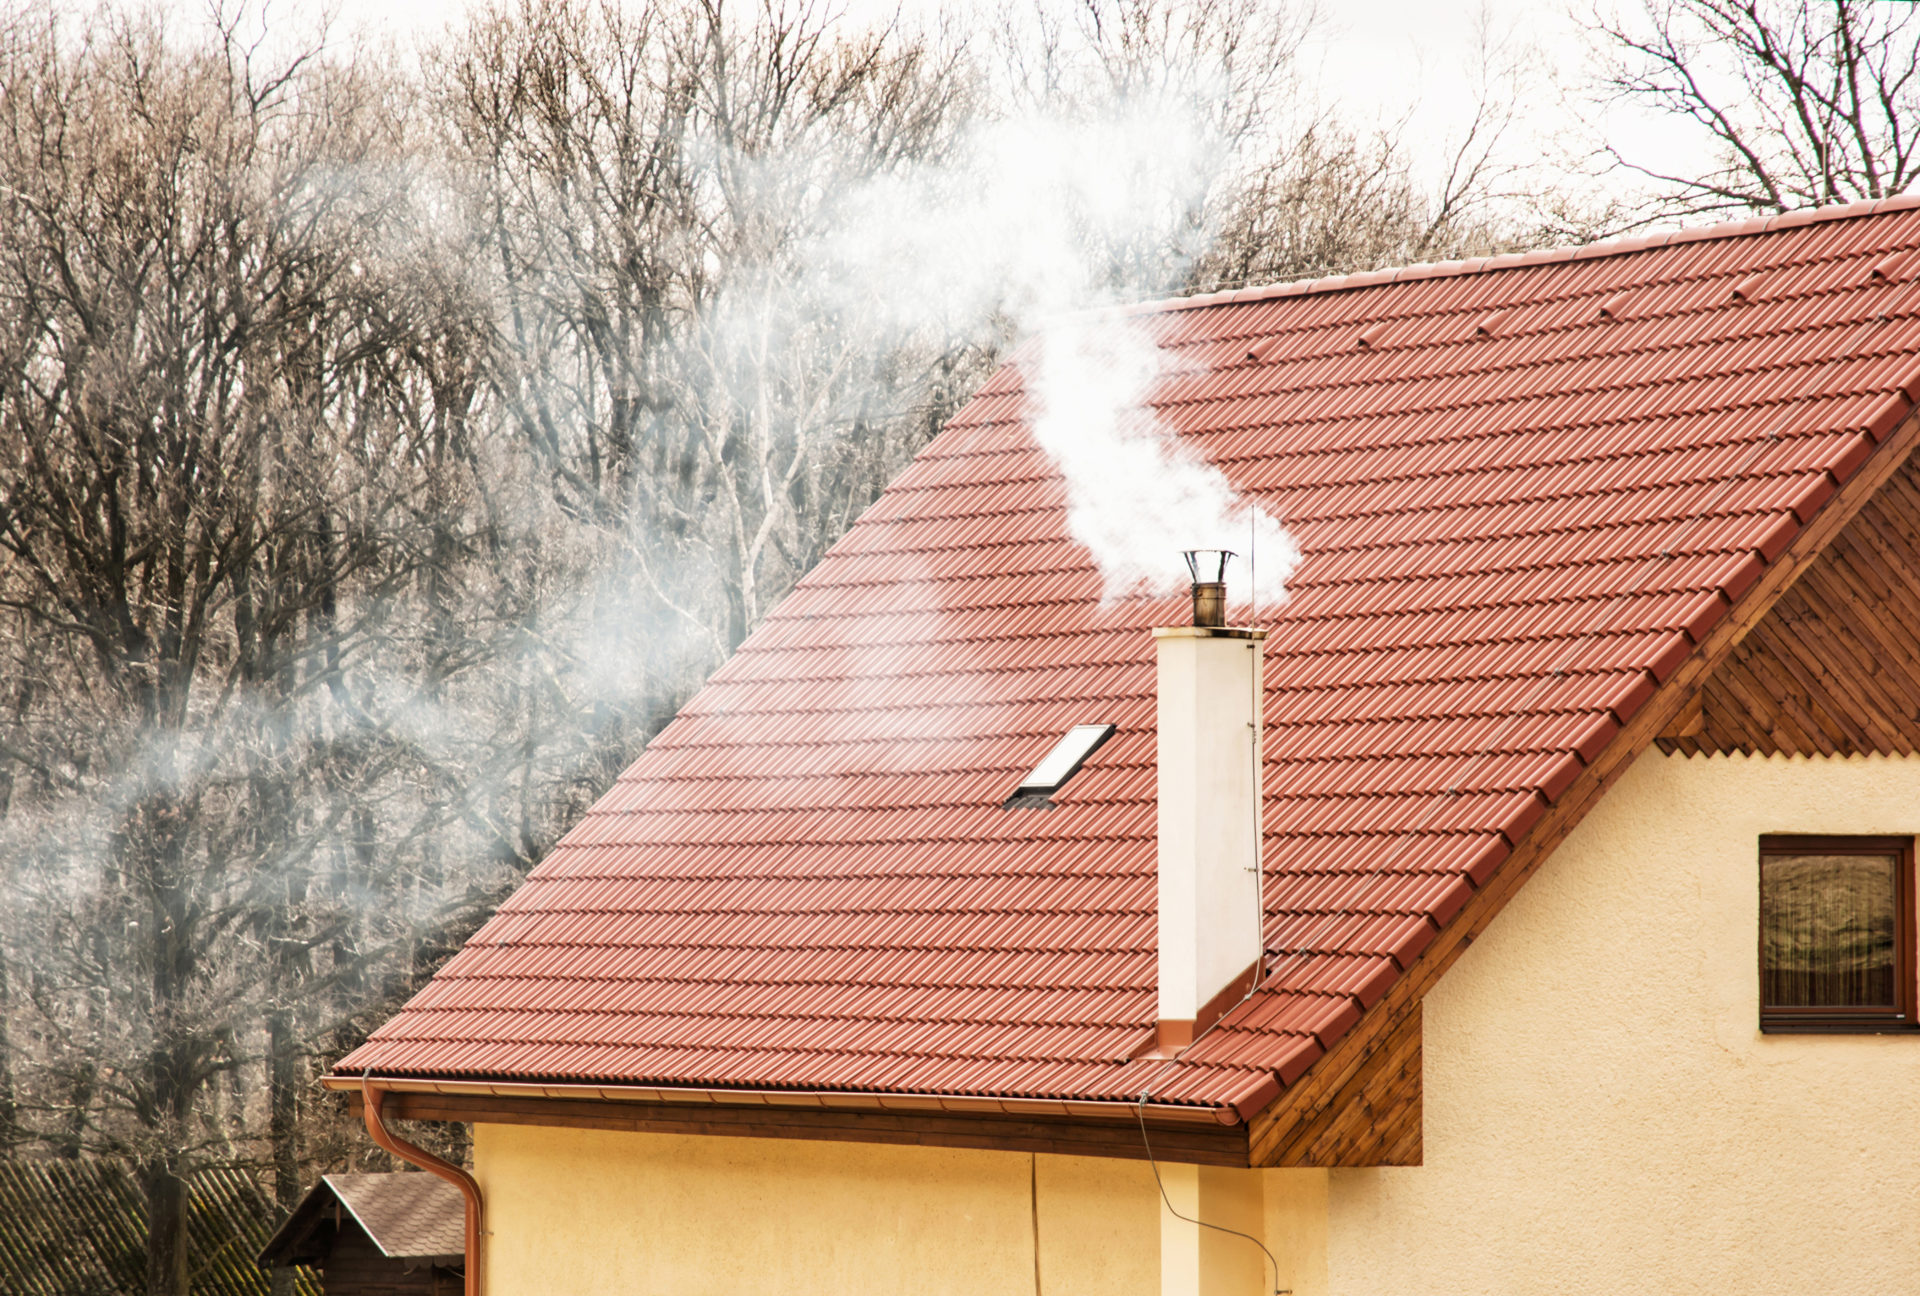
x=377 y=1235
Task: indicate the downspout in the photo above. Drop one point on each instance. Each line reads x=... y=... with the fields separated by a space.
x=371 y=1095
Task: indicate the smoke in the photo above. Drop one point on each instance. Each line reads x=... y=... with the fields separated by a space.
x=1135 y=496
x=1053 y=222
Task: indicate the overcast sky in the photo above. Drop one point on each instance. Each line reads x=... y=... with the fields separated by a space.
x=1385 y=62
x=1399 y=64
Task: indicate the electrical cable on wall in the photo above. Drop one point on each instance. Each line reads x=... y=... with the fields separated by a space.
x=1141 y=1113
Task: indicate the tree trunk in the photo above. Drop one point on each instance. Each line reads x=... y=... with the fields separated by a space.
x=168 y=1258
x=9 y=1110
x=283 y=1123
x=154 y=852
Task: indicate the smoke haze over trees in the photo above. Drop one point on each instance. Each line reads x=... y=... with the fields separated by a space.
x=388 y=447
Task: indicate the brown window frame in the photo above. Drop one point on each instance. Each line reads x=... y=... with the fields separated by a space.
x=1845 y=1021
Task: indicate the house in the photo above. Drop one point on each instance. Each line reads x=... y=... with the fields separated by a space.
x=376 y=1235
x=73 y=1227
x=1584 y=949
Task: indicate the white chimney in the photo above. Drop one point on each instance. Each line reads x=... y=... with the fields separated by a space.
x=1209 y=792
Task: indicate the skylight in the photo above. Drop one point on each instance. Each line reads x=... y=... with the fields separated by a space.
x=1061 y=764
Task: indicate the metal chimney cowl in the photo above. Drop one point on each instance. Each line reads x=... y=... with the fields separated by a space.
x=1209 y=570
x=1209 y=723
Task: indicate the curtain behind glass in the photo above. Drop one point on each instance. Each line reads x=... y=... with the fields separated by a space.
x=1827 y=925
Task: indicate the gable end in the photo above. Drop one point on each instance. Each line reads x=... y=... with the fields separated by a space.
x=1329 y=1085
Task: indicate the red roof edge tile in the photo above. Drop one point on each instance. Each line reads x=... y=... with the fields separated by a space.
x=1740 y=580
x=1778 y=537
x=1520 y=260
x=1256 y=1097
x=1450 y=902
x=1297 y=1059
x=1808 y=502
x=1561 y=777
x=1595 y=740
x=1414 y=943
x=1678 y=649
x=1481 y=871
x=1891 y=414
x=1711 y=611
x=1524 y=818
x=1343 y=1020
x=1635 y=694
x=1857 y=452
x=1369 y=992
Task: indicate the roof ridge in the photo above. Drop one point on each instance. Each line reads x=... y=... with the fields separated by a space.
x=1521 y=260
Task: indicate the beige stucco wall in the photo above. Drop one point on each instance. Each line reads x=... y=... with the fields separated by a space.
x=1603 y=1115
x=584 y=1211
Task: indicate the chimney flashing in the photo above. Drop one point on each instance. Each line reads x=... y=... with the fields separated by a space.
x=1173 y=1034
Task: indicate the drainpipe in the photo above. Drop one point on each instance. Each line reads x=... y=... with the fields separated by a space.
x=371 y=1095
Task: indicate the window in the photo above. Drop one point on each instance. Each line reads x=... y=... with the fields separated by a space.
x=1836 y=934
x=1059 y=765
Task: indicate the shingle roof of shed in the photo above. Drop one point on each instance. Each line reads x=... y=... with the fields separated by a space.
x=1520 y=503
x=407 y=1215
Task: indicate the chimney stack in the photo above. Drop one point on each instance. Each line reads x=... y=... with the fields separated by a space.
x=1209 y=677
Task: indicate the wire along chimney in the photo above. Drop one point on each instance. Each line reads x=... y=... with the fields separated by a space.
x=1209 y=682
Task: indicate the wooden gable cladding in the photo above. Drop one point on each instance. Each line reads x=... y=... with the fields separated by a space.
x=1372 y=1118
x=1833 y=669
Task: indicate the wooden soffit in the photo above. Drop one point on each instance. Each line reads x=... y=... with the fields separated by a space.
x=1198 y=1143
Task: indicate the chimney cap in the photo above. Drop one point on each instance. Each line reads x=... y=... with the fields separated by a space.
x=1208 y=566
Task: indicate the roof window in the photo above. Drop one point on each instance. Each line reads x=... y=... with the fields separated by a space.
x=1059 y=765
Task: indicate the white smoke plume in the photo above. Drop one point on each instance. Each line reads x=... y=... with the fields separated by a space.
x=1135 y=496
x=1045 y=220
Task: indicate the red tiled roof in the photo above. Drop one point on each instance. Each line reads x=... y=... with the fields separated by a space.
x=1520 y=504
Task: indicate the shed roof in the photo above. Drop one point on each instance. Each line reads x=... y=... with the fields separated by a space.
x=1522 y=502
x=407 y=1215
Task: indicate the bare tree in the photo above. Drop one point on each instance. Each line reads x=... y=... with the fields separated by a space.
x=208 y=491
x=1283 y=189
x=1801 y=102
x=645 y=181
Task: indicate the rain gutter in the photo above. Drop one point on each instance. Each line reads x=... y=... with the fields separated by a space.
x=373 y=1092
x=1234 y=1113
